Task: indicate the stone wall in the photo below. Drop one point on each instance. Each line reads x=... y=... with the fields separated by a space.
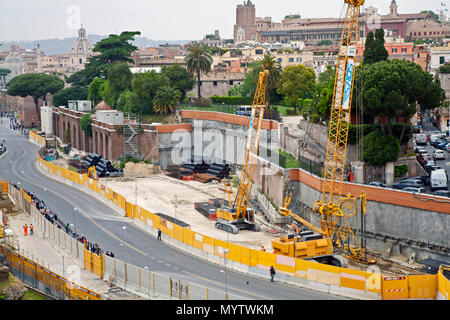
x=419 y=224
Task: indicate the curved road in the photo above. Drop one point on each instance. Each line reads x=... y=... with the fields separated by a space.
x=103 y=225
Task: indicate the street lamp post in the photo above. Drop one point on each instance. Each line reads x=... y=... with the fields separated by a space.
x=75 y=217
x=225 y=259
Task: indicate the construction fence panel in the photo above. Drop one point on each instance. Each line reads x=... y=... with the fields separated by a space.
x=354 y=279
x=133 y=276
x=179 y=289
x=395 y=288
x=162 y=285
x=97 y=265
x=109 y=271
x=120 y=275
x=146 y=281
x=443 y=291
x=422 y=286
x=88 y=260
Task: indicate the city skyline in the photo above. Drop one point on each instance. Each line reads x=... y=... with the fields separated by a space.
x=49 y=19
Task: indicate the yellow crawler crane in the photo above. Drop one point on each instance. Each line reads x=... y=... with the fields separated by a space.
x=333 y=208
x=235 y=216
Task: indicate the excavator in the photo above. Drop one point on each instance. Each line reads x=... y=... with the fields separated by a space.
x=333 y=208
x=234 y=215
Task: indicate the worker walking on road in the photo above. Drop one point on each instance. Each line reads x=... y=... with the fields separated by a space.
x=159 y=234
x=272 y=273
x=25 y=229
x=31 y=229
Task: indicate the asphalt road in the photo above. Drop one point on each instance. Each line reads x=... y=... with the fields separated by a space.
x=103 y=225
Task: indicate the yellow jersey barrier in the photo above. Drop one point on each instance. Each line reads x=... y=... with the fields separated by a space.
x=409 y=287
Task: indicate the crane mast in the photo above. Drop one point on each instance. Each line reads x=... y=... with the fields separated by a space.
x=235 y=216
x=333 y=176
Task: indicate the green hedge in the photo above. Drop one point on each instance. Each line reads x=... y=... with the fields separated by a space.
x=246 y=101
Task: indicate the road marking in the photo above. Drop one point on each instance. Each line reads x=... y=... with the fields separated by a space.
x=221 y=284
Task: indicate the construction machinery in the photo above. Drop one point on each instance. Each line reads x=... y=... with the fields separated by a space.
x=234 y=214
x=333 y=208
x=92 y=173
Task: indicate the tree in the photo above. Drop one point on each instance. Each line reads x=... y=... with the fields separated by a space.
x=166 y=100
x=96 y=91
x=86 y=124
x=119 y=79
x=146 y=85
x=3 y=74
x=198 y=60
x=296 y=83
x=36 y=85
x=129 y=102
x=368 y=50
x=379 y=148
x=267 y=62
x=376 y=51
x=179 y=78
x=325 y=43
x=62 y=97
x=392 y=89
x=114 y=49
x=434 y=15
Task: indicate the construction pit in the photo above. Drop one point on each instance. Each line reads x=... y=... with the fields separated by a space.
x=159 y=193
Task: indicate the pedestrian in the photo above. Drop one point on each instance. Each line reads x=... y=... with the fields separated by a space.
x=31 y=229
x=25 y=229
x=111 y=254
x=159 y=234
x=263 y=249
x=272 y=273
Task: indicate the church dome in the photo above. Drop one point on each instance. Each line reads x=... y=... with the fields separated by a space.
x=82 y=46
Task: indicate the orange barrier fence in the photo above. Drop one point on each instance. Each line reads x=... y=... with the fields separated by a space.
x=45 y=280
x=408 y=287
x=443 y=283
x=37 y=138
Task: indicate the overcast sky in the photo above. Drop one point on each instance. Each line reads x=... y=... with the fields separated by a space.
x=160 y=20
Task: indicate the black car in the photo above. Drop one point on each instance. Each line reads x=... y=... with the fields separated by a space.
x=378 y=184
x=441 y=193
x=408 y=183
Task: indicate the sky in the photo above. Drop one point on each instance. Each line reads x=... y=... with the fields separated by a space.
x=161 y=20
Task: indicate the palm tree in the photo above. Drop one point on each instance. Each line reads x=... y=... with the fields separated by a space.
x=166 y=99
x=198 y=60
x=268 y=62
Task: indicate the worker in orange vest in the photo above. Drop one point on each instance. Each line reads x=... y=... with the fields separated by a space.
x=31 y=229
x=25 y=229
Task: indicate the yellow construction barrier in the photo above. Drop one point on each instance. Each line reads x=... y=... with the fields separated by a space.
x=414 y=287
x=443 y=284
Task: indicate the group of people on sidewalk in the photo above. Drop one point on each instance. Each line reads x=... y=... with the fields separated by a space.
x=26 y=227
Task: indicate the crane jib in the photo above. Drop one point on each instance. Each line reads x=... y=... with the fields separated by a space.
x=250 y=129
x=348 y=84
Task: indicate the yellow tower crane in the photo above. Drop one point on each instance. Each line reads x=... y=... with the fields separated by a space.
x=235 y=215
x=333 y=208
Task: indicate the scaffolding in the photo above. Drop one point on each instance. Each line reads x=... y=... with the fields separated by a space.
x=131 y=130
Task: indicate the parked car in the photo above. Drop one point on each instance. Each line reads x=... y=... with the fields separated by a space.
x=405 y=184
x=424 y=179
x=424 y=157
x=447 y=147
x=244 y=111
x=419 y=149
x=441 y=144
x=415 y=179
x=378 y=184
x=421 y=139
x=415 y=190
x=438 y=155
x=428 y=164
x=441 y=193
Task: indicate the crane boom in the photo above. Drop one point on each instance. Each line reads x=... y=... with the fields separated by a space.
x=235 y=217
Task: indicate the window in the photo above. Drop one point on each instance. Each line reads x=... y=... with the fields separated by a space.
x=404 y=50
x=280 y=59
x=425 y=33
x=441 y=60
x=291 y=59
x=81 y=61
x=215 y=83
x=258 y=51
x=394 y=50
x=299 y=59
x=231 y=82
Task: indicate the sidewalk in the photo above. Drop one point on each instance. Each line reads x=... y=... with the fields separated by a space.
x=45 y=253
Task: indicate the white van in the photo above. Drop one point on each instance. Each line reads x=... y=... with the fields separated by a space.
x=421 y=139
x=439 y=180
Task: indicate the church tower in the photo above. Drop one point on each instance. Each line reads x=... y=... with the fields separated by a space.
x=393 y=9
x=245 y=20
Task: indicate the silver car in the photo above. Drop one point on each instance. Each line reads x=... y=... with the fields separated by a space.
x=414 y=190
